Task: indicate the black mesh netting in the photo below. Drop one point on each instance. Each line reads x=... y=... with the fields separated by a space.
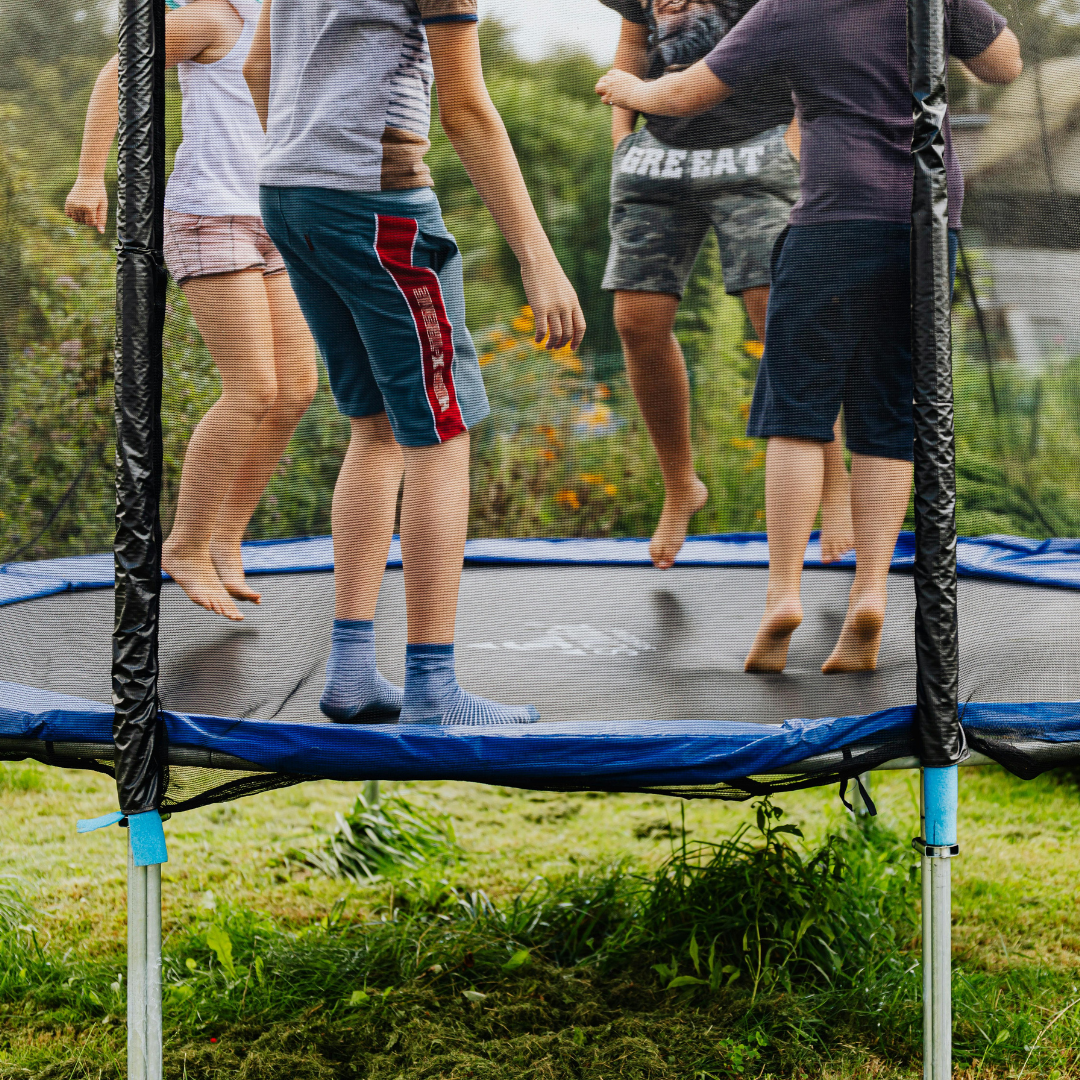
x=566 y=452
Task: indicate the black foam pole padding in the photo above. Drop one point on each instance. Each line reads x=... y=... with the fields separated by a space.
x=936 y=637
x=138 y=733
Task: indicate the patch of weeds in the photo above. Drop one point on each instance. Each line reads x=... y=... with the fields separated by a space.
x=372 y=839
x=760 y=912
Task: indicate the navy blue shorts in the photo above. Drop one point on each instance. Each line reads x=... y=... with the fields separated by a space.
x=378 y=278
x=838 y=333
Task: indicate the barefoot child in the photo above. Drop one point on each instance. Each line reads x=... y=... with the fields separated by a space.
x=732 y=169
x=838 y=324
x=343 y=87
x=221 y=257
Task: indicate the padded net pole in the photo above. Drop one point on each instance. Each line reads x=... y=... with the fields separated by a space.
x=939 y=730
x=140 y=313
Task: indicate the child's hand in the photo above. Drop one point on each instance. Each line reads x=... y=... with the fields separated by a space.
x=88 y=203
x=554 y=303
x=622 y=89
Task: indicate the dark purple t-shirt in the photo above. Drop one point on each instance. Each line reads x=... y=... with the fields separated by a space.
x=846 y=61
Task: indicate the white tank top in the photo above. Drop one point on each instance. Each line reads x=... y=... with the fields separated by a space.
x=214 y=172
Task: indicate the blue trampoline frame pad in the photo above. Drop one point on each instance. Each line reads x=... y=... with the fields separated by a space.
x=641 y=755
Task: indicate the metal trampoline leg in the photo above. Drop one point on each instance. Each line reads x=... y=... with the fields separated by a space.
x=153 y=972
x=144 y=971
x=937 y=845
x=927 y=947
x=136 y=989
x=941 y=946
x=371 y=793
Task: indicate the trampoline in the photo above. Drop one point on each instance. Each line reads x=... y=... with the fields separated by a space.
x=637 y=675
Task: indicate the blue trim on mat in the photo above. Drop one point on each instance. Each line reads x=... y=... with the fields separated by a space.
x=588 y=754
x=1054 y=563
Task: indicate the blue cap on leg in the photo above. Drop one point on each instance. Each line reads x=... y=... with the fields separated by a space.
x=147 y=839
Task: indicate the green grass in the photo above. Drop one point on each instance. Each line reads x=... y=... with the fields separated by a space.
x=570 y=936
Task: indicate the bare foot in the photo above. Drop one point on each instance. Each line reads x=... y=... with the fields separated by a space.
x=837 y=532
x=770 y=648
x=670 y=534
x=860 y=637
x=229 y=565
x=195 y=574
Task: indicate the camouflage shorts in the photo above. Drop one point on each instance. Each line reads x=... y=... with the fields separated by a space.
x=664 y=200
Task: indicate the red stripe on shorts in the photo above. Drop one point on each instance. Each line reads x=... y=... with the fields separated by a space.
x=394 y=240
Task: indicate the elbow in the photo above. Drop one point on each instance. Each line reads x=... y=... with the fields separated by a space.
x=468 y=118
x=1015 y=69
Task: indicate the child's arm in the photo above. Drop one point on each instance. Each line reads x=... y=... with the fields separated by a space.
x=476 y=132
x=209 y=27
x=682 y=93
x=257 y=65
x=1000 y=62
x=631 y=55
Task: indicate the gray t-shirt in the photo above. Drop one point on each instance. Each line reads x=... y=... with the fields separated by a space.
x=350 y=92
x=846 y=61
x=681 y=32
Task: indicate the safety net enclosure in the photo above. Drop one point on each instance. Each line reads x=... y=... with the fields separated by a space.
x=637 y=675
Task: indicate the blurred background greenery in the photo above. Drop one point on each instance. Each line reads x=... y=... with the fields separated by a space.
x=565 y=452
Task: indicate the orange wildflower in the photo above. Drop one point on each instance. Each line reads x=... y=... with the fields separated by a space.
x=569 y=499
x=610 y=489
x=753 y=348
x=592 y=478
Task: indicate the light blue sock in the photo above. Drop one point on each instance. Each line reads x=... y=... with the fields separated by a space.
x=433 y=696
x=355 y=691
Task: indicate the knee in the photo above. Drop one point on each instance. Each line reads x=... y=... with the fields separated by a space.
x=640 y=331
x=296 y=396
x=256 y=396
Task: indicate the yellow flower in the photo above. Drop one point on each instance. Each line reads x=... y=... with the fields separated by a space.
x=592 y=478
x=523 y=324
x=569 y=499
x=610 y=489
x=486 y=359
x=753 y=348
x=740 y=443
x=744 y=410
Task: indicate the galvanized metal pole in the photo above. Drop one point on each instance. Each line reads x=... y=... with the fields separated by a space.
x=136 y=989
x=153 y=972
x=941 y=966
x=371 y=793
x=927 y=945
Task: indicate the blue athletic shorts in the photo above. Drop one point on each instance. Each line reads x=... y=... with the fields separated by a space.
x=378 y=277
x=838 y=332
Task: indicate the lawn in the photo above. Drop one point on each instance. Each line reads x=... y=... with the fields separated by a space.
x=540 y=947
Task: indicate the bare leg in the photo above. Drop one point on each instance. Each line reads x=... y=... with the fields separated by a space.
x=365 y=501
x=879 y=498
x=794 y=472
x=233 y=316
x=837 y=532
x=837 y=536
x=297 y=381
x=756 y=302
x=434 y=522
x=657 y=373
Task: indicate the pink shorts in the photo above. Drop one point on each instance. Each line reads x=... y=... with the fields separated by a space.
x=198 y=246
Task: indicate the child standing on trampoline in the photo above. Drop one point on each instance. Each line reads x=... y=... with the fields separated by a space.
x=838 y=322
x=343 y=88
x=218 y=252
